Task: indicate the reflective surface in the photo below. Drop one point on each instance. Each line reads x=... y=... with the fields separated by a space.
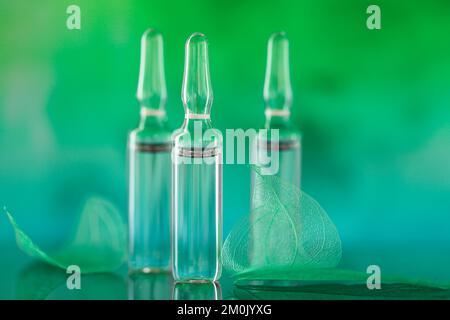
x=22 y=278
x=150 y=286
x=197 y=291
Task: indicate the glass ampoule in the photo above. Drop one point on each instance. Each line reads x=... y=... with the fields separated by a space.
x=285 y=147
x=197 y=175
x=150 y=165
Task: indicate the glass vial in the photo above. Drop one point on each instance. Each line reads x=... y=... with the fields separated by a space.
x=284 y=149
x=150 y=165
x=197 y=175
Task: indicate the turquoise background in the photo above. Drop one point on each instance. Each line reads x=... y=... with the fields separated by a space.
x=373 y=106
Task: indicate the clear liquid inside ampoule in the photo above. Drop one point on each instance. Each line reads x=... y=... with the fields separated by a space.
x=287 y=155
x=289 y=158
x=197 y=215
x=149 y=223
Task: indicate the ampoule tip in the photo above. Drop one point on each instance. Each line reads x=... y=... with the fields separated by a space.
x=151 y=91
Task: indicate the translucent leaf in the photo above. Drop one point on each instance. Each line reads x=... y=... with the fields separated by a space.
x=286 y=230
x=98 y=245
x=331 y=283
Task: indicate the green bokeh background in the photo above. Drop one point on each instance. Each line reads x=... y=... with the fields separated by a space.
x=373 y=106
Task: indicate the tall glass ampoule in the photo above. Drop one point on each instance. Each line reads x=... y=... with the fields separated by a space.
x=285 y=147
x=197 y=175
x=150 y=165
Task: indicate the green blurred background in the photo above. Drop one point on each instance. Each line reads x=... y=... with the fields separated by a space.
x=373 y=106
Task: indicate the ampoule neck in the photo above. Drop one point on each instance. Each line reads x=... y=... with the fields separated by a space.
x=276 y=121
x=191 y=123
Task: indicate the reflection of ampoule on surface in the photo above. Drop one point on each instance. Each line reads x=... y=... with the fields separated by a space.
x=197 y=175
x=285 y=148
x=150 y=168
x=197 y=291
x=150 y=286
